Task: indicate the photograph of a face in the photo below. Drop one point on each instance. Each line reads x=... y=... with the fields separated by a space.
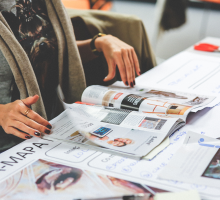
x=48 y=180
x=213 y=169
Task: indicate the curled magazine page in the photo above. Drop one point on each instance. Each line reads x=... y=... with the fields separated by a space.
x=111 y=129
x=147 y=100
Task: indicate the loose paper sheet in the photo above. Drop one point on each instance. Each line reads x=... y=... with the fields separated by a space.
x=197 y=161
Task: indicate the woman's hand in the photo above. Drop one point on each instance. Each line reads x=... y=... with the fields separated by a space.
x=14 y=121
x=118 y=53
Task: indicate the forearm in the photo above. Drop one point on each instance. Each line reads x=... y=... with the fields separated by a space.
x=85 y=50
x=1 y=108
x=117 y=54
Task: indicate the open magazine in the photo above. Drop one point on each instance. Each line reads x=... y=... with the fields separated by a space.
x=127 y=123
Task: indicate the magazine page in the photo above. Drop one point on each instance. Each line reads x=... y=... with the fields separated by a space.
x=45 y=180
x=147 y=100
x=197 y=161
x=73 y=126
x=127 y=118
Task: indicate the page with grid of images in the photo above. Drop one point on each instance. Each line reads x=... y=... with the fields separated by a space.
x=147 y=100
x=197 y=161
x=126 y=132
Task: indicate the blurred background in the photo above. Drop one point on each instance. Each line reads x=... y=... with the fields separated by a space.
x=172 y=25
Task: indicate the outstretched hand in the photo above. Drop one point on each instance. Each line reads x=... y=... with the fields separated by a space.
x=18 y=119
x=121 y=55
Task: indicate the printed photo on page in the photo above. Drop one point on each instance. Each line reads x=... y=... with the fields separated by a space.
x=213 y=169
x=131 y=133
x=47 y=180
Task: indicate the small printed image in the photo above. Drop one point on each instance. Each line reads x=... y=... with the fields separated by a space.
x=115 y=116
x=196 y=101
x=111 y=105
x=152 y=123
x=164 y=94
x=107 y=97
x=213 y=169
x=102 y=131
x=121 y=142
x=177 y=109
x=77 y=137
x=132 y=102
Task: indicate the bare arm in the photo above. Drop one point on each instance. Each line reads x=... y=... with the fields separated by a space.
x=117 y=54
x=85 y=50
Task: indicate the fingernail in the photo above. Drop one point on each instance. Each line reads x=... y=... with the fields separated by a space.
x=28 y=136
x=134 y=82
x=126 y=83
x=131 y=84
x=37 y=134
x=49 y=126
x=47 y=131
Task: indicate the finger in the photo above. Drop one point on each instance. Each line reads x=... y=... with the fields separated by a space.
x=37 y=118
x=121 y=66
x=32 y=123
x=136 y=63
x=111 y=70
x=128 y=67
x=18 y=133
x=30 y=100
x=24 y=128
x=133 y=69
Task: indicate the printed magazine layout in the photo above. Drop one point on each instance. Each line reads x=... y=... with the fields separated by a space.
x=147 y=100
x=131 y=124
x=131 y=133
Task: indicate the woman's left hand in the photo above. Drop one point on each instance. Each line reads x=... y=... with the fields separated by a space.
x=120 y=54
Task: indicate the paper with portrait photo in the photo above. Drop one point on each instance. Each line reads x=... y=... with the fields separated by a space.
x=197 y=161
x=48 y=180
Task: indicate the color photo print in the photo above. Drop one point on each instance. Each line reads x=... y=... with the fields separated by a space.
x=213 y=169
x=43 y=180
x=152 y=123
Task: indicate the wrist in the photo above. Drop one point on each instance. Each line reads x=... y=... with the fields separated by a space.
x=1 y=108
x=96 y=44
